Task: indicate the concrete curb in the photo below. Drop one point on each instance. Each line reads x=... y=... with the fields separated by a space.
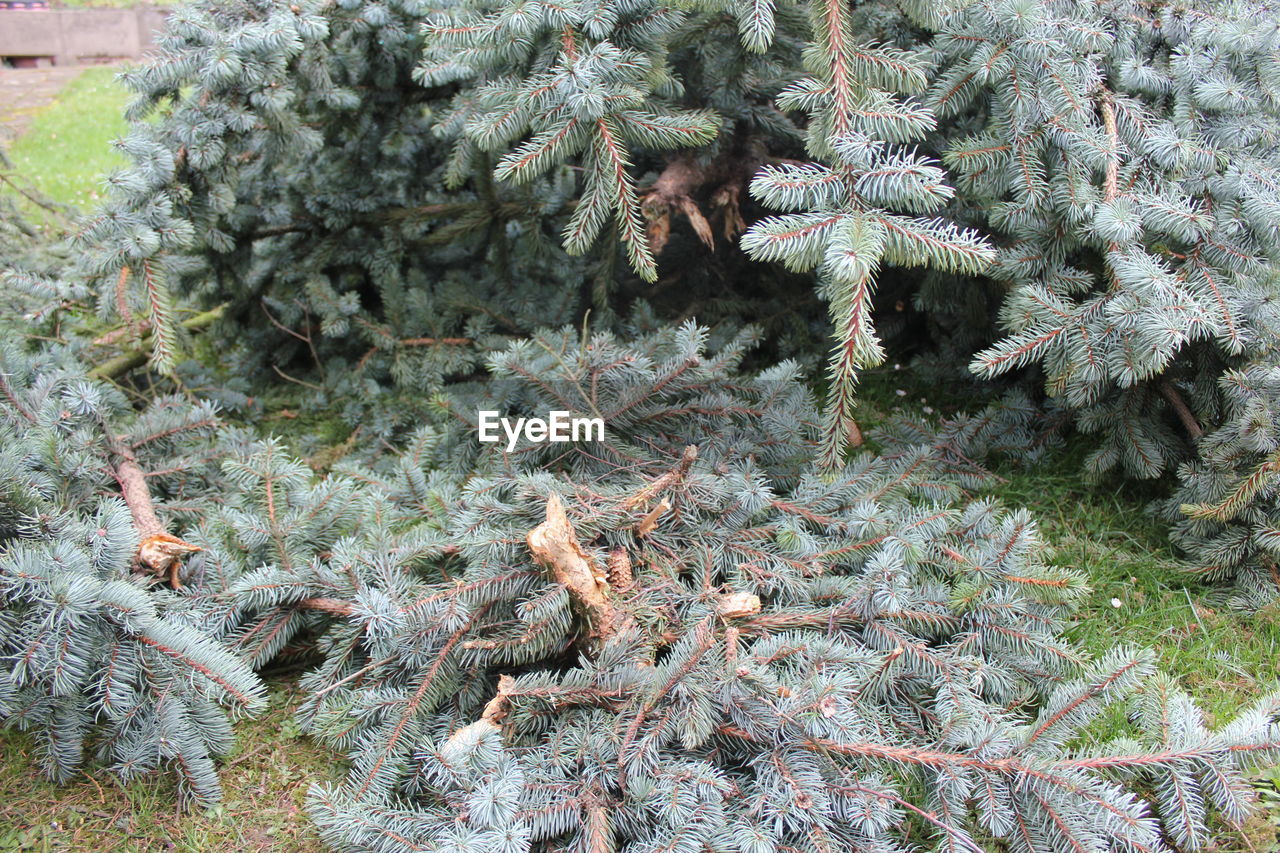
x=77 y=36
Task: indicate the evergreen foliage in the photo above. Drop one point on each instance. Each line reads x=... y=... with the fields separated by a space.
x=1125 y=160
x=752 y=657
x=1225 y=509
x=24 y=245
x=94 y=658
x=723 y=626
x=856 y=209
x=756 y=656
x=362 y=186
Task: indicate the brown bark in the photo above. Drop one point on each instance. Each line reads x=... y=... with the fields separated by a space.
x=1111 y=183
x=650 y=521
x=492 y=714
x=496 y=708
x=158 y=552
x=555 y=546
x=134 y=358
x=684 y=179
x=738 y=605
x=673 y=191
x=1180 y=408
x=599 y=834
x=664 y=482
x=333 y=606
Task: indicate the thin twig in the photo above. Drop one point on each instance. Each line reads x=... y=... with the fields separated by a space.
x=1194 y=612
x=288 y=378
x=664 y=482
x=60 y=211
x=132 y=359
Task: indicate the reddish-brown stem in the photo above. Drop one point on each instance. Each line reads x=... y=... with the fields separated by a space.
x=664 y=482
x=122 y=296
x=333 y=606
x=7 y=390
x=158 y=550
x=1180 y=408
x=133 y=487
x=430 y=342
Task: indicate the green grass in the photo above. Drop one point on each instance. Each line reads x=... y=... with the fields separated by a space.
x=264 y=782
x=1140 y=594
x=1225 y=658
x=67 y=149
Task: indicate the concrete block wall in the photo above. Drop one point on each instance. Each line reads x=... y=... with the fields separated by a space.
x=79 y=36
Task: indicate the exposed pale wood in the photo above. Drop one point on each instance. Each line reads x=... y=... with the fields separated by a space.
x=159 y=552
x=555 y=546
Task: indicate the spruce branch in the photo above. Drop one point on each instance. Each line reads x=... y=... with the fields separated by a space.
x=132 y=359
x=646 y=525
x=6 y=388
x=599 y=835
x=665 y=481
x=332 y=606
x=490 y=718
x=392 y=747
x=164 y=345
x=64 y=214
x=1180 y=408
x=501 y=211
x=159 y=552
x=1111 y=181
x=122 y=296
x=1232 y=504
x=412 y=342
x=554 y=545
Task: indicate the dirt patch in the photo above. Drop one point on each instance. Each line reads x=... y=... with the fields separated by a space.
x=25 y=91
